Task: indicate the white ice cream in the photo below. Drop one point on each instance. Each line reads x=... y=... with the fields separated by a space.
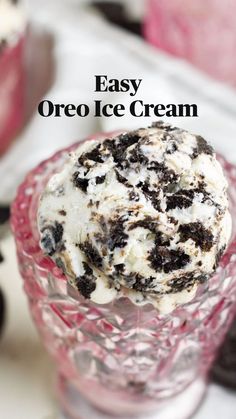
x=12 y=20
x=144 y=215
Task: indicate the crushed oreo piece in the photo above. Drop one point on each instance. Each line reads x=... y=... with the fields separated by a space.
x=86 y=283
x=79 y=182
x=119 y=268
x=1 y=257
x=136 y=156
x=152 y=195
x=148 y=223
x=91 y=253
x=171 y=148
x=202 y=147
x=121 y=178
x=185 y=281
x=133 y=196
x=163 y=125
x=94 y=155
x=117 y=146
x=161 y=239
x=164 y=174
x=100 y=179
x=117 y=236
x=51 y=240
x=163 y=259
x=202 y=237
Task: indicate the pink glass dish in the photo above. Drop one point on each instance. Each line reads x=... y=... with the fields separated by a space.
x=12 y=91
x=119 y=359
x=201 y=31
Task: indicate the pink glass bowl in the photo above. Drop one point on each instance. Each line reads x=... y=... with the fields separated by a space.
x=12 y=91
x=120 y=358
x=201 y=31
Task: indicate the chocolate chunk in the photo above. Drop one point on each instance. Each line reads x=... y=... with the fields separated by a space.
x=100 y=179
x=86 y=283
x=163 y=259
x=117 y=236
x=1 y=257
x=79 y=182
x=94 y=155
x=152 y=195
x=202 y=147
x=148 y=223
x=198 y=233
x=52 y=239
x=91 y=253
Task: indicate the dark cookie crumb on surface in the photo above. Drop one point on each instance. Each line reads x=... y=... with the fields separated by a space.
x=167 y=260
x=52 y=239
x=202 y=237
x=86 y=283
x=79 y=182
x=202 y=147
x=91 y=253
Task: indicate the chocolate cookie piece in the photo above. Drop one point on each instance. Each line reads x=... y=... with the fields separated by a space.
x=152 y=195
x=94 y=155
x=167 y=260
x=202 y=237
x=100 y=179
x=91 y=253
x=224 y=368
x=181 y=199
x=117 y=236
x=202 y=147
x=86 y=283
x=79 y=182
x=148 y=223
x=119 y=145
x=52 y=239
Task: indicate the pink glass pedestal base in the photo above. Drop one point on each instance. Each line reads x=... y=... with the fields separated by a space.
x=182 y=406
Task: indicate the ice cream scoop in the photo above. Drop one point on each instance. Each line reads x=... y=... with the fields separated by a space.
x=143 y=214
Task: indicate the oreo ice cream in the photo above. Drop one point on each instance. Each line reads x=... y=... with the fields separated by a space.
x=143 y=215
